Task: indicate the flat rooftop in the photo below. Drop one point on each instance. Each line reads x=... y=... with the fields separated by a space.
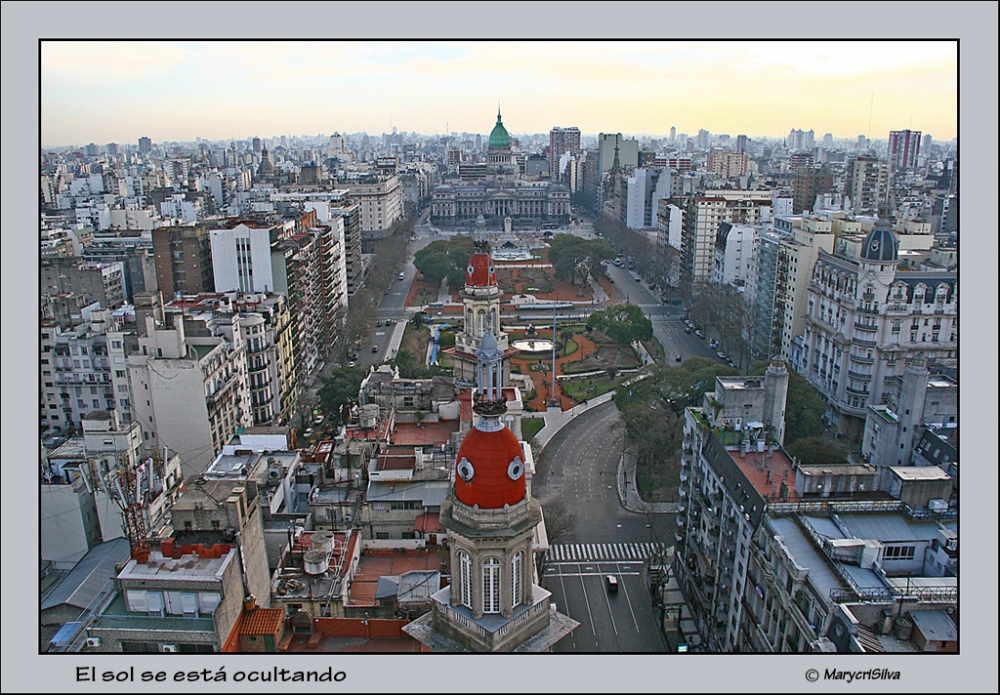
x=189 y=567
x=380 y=563
x=766 y=473
x=427 y=434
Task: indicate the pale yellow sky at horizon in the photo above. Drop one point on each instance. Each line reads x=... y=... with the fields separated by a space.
x=118 y=91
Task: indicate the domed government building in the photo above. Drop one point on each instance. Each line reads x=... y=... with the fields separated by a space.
x=495 y=190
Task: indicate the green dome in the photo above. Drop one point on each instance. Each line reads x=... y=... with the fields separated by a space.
x=499 y=139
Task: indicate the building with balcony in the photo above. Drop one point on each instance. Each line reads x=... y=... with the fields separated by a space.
x=865 y=322
x=190 y=394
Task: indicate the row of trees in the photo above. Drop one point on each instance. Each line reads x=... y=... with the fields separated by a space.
x=649 y=261
x=445 y=259
x=383 y=268
x=728 y=312
x=572 y=257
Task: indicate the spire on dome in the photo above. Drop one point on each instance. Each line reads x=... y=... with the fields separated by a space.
x=490 y=403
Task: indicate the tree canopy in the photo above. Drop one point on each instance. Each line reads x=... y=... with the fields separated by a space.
x=623 y=323
x=445 y=258
x=573 y=257
x=340 y=389
x=804 y=406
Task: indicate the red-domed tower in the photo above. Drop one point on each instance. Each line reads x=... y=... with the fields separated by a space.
x=493 y=603
x=481 y=299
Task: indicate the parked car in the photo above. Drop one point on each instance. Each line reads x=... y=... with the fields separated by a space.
x=699 y=334
x=679 y=358
x=721 y=354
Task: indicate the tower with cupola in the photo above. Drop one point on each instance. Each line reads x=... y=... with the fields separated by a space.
x=493 y=603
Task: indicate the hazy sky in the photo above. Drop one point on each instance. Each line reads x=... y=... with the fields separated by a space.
x=118 y=91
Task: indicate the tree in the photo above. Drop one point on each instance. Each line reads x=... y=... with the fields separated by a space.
x=573 y=257
x=804 y=406
x=815 y=451
x=445 y=259
x=340 y=389
x=623 y=323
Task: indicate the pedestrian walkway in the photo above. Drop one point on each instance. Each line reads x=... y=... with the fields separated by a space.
x=610 y=552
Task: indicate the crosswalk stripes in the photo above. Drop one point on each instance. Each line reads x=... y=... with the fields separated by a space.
x=589 y=552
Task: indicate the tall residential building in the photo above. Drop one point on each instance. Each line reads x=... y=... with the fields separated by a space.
x=865 y=321
x=190 y=394
x=904 y=148
x=702 y=216
x=762 y=281
x=867 y=184
x=241 y=256
x=646 y=187
x=90 y=281
x=734 y=245
x=267 y=327
x=145 y=145
x=562 y=140
x=77 y=371
x=808 y=183
x=381 y=201
x=728 y=164
x=183 y=260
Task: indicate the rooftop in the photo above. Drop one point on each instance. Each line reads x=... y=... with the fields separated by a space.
x=192 y=565
x=380 y=563
x=426 y=434
x=766 y=473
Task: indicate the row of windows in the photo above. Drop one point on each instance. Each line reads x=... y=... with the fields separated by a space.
x=492 y=579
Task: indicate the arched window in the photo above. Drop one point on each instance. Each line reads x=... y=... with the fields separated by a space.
x=491 y=585
x=465 y=578
x=517 y=581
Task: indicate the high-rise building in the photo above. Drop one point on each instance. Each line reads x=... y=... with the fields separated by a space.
x=702 y=217
x=904 y=147
x=868 y=184
x=145 y=145
x=865 y=321
x=809 y=182
x=728 y=164
x=183 y=260
x=561 y=140
x=645 y=189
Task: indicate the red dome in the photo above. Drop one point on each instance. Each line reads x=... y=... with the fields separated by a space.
x=496 y=478
x=481 y=271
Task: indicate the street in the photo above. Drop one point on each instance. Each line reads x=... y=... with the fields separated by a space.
x=577 y=468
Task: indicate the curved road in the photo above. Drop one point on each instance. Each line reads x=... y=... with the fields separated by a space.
x=578 y=468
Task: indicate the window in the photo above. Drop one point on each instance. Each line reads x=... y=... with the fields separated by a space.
x=899 y=553
x=491 y=586
x=381 y=536
x=516 y=570
x=465 y=578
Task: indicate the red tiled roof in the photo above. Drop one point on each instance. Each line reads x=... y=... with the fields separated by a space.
x=261 y=621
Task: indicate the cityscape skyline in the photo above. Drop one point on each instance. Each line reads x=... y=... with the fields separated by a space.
x=971 y=668
x=181 y=91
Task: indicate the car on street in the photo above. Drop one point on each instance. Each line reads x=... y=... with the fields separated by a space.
x=308 y=433
x=687 y=329
x=699 y=334
x=721 y=354
x=611 y=582
x=374 y=348
x=401 y=276
x=378 y=324
x=351 y=364
x=679 y=358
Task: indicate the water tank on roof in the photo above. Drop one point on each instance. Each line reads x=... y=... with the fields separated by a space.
x=315 y=562
x=904 y=628
x=322 y=541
